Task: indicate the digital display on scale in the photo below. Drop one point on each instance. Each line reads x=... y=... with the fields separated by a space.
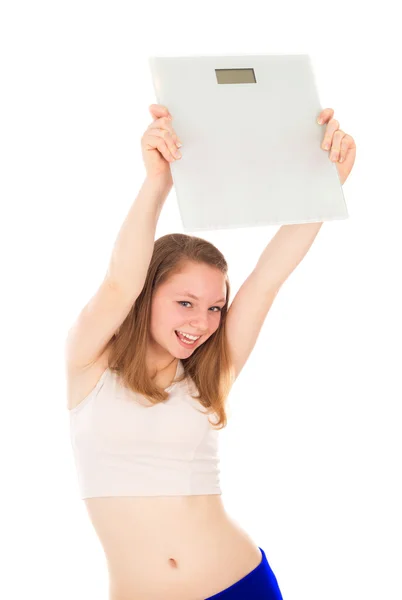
x=235 y=75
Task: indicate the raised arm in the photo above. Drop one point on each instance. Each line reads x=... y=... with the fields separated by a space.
x=108 y=308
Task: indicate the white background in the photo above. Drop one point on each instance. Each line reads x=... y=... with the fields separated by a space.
x=311 y=457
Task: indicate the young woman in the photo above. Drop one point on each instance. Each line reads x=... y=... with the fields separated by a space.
x=150 y=362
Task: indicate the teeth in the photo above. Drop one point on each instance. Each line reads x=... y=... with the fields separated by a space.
x=190 y=337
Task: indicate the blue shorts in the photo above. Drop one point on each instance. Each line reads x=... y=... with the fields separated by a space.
x=259 y=584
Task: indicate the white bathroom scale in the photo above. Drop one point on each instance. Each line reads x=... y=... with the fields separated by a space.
x=251 y=153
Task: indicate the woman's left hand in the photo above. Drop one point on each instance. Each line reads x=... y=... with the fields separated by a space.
x=341 y=146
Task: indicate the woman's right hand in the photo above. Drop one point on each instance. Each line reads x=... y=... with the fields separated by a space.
x=159 y=144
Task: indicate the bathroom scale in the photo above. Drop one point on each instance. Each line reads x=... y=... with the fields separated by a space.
x=251 y=153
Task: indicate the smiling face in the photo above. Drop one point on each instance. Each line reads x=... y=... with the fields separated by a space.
x=174 y=309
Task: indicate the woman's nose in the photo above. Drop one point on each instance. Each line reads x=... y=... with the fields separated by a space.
x=200 y=323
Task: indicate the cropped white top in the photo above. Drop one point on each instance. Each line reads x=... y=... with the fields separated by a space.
x=124 y=446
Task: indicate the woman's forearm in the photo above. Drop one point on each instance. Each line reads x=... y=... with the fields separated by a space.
x=134 y=245
x=285 y=251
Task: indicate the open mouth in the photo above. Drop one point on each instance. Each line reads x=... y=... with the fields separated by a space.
x=185 y=341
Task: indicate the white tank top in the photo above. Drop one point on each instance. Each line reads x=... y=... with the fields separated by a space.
x=124 y=446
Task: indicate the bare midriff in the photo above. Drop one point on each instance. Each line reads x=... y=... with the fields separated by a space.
x=170 y=547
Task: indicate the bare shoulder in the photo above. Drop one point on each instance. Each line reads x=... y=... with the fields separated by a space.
x=81 y=382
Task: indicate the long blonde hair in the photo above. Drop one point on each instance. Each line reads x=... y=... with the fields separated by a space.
x=210 y=366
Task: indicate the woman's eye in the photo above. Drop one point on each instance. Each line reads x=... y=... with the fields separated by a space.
x=186 y=302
